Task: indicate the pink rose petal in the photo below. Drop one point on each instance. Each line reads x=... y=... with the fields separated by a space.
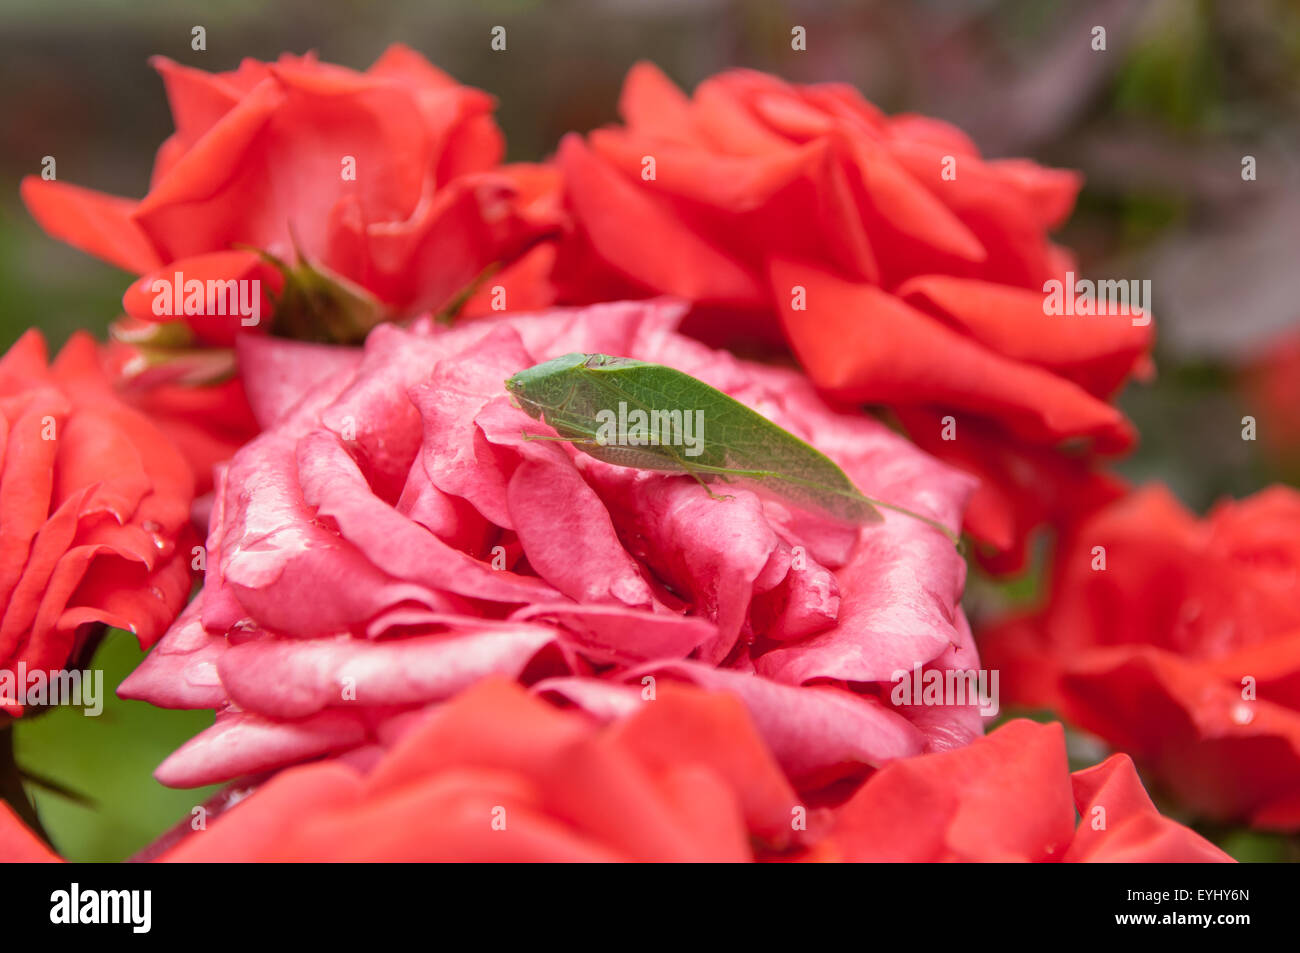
x=610 y=633
x=181 y=671
x=277 y=372
x=241 y=743
x=289 y=680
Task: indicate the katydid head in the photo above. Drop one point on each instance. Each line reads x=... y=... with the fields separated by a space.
x=547 y=386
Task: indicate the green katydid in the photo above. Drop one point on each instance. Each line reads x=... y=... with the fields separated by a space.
x=615 y=409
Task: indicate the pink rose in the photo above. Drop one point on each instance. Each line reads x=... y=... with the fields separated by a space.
x=391 y=538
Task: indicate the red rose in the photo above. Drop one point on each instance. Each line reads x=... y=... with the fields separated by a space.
x=1272 y=387
x=385 y=181
x=1177 y=640
x=804 y=210
x=391 y=537
x=498 y=775
x=1009 y=797
x=94 y=512
x=207 y=419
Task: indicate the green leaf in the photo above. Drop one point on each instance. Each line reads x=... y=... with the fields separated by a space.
x=316 y=304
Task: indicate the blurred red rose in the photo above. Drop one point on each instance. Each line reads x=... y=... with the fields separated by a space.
x=1177 y=640
x=1272 y=387
x=902 y=268
x=1009 y=797
x=384 y=181
x=498 y=775
x=391 y=537
x=94 y=511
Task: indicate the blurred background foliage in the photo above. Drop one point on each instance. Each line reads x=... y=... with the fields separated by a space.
x=1158 y=123
x=103 y=803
